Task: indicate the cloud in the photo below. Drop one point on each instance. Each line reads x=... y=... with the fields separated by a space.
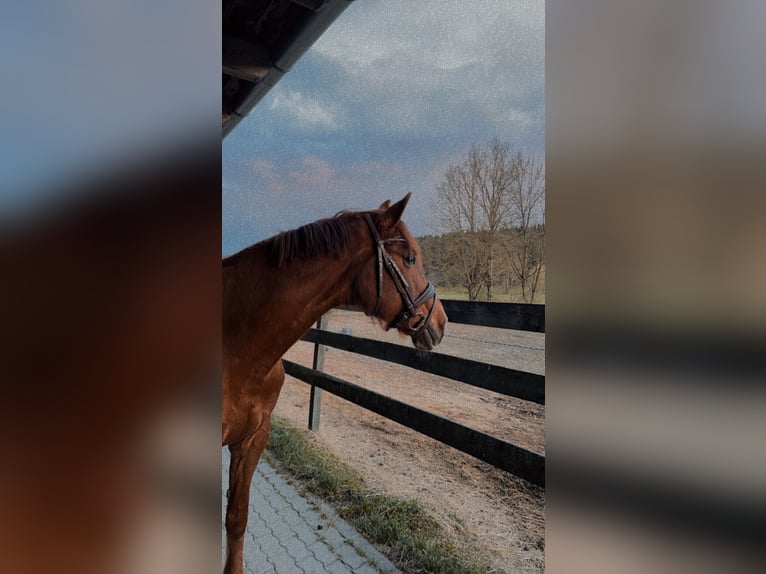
x=415 y=68
x=392 y=94
x=309 y=172
x=312 y=172
x=303 y=112
x=267 y=175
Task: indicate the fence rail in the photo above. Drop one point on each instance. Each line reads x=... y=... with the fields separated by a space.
x=519 y=461
x=519 y=384
x=524 y=463
x=516 y=316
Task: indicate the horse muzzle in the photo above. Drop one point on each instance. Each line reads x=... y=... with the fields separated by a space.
x=427 y=339
x=430 y=331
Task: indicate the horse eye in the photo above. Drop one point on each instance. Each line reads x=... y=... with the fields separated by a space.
x=409 y=260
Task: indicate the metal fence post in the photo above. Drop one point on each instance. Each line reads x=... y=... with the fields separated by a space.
x=315 y=402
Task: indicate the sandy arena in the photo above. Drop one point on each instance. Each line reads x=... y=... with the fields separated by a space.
x=482 y=508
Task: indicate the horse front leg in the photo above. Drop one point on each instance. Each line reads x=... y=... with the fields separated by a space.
x=244 y=458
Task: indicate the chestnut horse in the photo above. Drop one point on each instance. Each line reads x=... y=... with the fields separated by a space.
x=275 y=290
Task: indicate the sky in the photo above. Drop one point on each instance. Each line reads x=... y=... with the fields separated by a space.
x=386 y=100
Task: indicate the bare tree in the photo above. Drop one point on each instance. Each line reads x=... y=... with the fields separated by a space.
x=492 y=206
x=526 y=245
x=473 y=204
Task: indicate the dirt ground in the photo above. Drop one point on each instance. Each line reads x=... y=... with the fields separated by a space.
x=484 y=509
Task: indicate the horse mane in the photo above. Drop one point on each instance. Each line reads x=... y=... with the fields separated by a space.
x=326 y=237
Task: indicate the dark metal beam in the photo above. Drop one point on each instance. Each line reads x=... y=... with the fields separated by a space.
x=245 y=60
x=313 y=5
x=283 y=57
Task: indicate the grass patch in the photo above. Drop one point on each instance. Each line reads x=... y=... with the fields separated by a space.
x=401 y=529
x=498 y=295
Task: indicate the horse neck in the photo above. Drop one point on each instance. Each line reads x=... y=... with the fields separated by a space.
x=282 y=304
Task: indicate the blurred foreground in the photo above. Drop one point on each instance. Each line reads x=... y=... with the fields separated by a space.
x=110 y=409
x=656 y=315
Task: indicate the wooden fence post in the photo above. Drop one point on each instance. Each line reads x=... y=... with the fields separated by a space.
x=315 y=402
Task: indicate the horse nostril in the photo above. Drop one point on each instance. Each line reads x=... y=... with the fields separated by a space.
x=433 y=336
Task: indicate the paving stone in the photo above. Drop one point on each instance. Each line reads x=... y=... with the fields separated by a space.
x=283 y=538
x=298 y=550
x=312 y=566
x=285 y=563
x=351 y=557
x=323 y=553
x=367 y=569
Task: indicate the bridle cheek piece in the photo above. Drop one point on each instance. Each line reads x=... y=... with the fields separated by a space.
x=416 y=320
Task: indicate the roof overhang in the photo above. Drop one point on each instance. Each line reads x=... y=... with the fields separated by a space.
x=262 y=40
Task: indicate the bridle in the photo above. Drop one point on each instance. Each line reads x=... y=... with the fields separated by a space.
x=409 y=311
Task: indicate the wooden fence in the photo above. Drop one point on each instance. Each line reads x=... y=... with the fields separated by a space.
x=524 y=463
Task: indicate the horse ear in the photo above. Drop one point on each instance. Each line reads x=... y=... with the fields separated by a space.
x=393 y=214
x=385 y=205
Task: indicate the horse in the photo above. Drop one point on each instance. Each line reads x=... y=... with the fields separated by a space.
x=275 y=290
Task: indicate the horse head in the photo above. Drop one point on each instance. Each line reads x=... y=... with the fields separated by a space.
x=398 y=293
